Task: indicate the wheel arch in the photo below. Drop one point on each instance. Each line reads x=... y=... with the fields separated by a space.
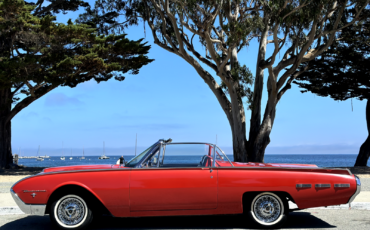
x=248 y=196
x=72 y=188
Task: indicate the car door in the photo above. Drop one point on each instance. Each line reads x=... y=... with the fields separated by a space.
x=173 y=188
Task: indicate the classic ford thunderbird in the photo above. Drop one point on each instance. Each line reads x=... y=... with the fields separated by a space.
x=182 y=179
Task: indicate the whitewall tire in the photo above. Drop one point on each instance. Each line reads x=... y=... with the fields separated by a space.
x=267 y=210
x=70 y=212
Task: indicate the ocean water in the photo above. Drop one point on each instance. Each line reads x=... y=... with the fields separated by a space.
x=321 y=160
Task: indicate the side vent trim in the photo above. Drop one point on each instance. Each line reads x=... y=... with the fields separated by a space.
x=322 y=185
x=303 y=186
x=342 y=185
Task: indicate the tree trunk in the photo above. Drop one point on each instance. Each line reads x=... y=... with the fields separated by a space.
x=6 y=157
x=256 y=149
x=239 y=142
x=238 y=114
x=255 y=121
x=259 y=134
x=364 y=154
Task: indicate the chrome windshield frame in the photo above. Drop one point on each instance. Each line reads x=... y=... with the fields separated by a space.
x=224 y=155
x=162 y=144
x=154 y=146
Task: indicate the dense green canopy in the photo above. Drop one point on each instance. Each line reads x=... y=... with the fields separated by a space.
x=38 y=54
x=343 y=72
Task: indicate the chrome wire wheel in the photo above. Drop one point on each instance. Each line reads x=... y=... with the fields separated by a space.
x=267 y=209
x=70 y=211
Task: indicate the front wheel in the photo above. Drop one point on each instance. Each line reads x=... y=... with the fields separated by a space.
x=70 y=212
x=267 y=210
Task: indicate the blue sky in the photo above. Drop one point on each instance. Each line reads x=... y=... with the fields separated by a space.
x=168 y=99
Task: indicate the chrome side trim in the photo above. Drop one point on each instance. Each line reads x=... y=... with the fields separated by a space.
x=322 y=185
x=358 y=189
x=116 y=169
x=342 y=185
x=33 y=209
x=303 y=186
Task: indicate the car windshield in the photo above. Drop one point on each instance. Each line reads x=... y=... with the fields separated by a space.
x=135 y=160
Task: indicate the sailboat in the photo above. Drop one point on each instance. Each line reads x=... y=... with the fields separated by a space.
x=19 y=155
x=71 y=155
x=83 y=154
x=103 y=157
x=62 y=157
x=38 y=158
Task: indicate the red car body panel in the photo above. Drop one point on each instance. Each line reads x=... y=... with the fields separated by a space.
x=111 y=187
x=173 y=189
x=189 y=191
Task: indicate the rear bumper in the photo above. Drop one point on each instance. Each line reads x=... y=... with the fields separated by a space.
x=32 y=209
x=358 y=190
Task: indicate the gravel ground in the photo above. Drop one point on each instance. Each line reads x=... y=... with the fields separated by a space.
x=365 y=184
x=5 y=186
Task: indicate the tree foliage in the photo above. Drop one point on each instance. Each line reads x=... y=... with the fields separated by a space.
x=210 y=34
x=343 y=72
x=38 y=54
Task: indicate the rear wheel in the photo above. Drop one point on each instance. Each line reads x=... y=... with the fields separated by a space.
x=71 y=212
x=267 y=210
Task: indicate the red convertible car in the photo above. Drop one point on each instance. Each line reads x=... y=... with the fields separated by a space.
x=182 y=179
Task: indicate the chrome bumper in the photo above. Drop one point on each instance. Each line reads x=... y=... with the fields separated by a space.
x=358 y=190
x=33 y=209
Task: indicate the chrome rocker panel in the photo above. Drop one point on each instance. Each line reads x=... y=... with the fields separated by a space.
x=32 y=209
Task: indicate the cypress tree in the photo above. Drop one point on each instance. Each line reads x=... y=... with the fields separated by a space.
x=343 y=72
x=38 y=54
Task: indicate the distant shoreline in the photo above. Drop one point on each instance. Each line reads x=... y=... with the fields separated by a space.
x=362 y=172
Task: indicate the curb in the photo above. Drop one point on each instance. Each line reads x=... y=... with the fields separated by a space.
x=354 y=206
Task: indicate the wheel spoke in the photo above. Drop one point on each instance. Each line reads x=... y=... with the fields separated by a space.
x=267 y=208
x=71 y=211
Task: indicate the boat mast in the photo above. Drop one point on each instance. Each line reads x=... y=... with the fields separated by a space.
x=135 y=144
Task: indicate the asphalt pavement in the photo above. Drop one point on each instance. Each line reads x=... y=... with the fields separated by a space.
x=314 y=219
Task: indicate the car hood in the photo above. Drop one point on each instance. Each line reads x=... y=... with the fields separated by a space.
x=76 y=168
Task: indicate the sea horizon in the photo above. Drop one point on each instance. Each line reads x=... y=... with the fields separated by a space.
x=321 y=160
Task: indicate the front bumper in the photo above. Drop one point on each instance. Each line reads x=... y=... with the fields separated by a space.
x=358 y=190
x=33 y=209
